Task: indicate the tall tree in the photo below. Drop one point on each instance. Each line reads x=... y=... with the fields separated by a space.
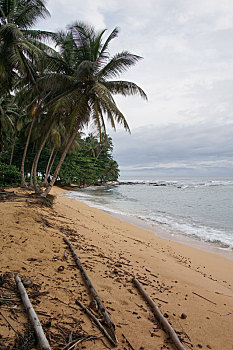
x=22 y=54
x=7 y=114
x=18 y=43
x=84 y=85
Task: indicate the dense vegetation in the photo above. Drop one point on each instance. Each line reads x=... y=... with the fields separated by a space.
x=91 y=163
x=48 y=96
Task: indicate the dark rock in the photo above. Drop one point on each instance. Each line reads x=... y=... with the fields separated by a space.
x=61 y=268
x=27 y=282
x=118 y=265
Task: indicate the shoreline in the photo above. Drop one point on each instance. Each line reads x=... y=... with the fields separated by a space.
x=181 y=279
x=174 y=237
x=159 y=231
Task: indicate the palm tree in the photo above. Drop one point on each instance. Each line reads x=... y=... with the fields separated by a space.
x=31 y=121
x=92 y=145
x=55 y=142
x=19 y=46
x=7 y=115
x=84 y=86
x=22 y=54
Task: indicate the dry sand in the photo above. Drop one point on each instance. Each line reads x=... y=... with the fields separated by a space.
x=112 y=252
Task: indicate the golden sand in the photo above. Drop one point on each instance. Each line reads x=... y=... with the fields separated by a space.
x=179 y=278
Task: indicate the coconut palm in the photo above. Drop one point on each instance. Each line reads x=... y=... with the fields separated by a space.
x=84 y=86
x=7 y=115
x=19 y=46
x=92 y=145
x=22 y=54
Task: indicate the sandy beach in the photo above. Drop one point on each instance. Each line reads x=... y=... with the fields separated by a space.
x=180 y=279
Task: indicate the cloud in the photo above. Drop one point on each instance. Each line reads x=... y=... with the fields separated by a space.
x=202 y=148
x=67 y=12
x=187 y=73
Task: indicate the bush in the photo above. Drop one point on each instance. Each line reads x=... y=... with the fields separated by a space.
x=9 y=175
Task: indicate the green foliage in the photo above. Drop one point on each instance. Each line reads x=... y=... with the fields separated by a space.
x=47 y=96
x=9 y=175
x=19 y=51
x=90 y=164
x=18 y=153
x=93 y=164
x=79 y=170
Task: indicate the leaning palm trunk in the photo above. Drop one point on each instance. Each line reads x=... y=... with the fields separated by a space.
x=47 y=168
x=31 y=175
x=37 y=156
x=64 y=153
x=35 y=163
x=50 y=168
x=12 y=149
x=23 y=182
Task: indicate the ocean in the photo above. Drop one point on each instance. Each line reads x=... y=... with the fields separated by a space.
x=196 y=208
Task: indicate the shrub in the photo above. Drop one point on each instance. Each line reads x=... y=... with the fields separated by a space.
x=9 y=175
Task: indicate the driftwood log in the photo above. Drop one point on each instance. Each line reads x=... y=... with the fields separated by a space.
x=97 y=322
x=101 y=307
x=163 y=321
x=42 y=340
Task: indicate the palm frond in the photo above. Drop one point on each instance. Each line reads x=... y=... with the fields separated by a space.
x=82 y=35
x=118 y=64
x=104 y=53
x=39 y=34
x=124 y=88
x=109 y=107
x=27 y=12
x=96 y=45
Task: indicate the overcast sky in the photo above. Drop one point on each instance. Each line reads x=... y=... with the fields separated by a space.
x=186 y=127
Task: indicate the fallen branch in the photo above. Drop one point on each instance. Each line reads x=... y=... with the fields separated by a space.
x=42 y=340
x=204 y=298
x=94 y=294
x=8 y=323
x=97 y=322
x=130 y=346
x=166 y=325
x=72 y=344
x=106 y=346
x=162 y=301
x=184 y=332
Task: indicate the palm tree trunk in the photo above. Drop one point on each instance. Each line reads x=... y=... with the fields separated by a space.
x=23 y=183
x=66 y=149
x=47 y=168
x=31 y=175
x=50 y=168
x=37 y=156
x=35 y=163
x=12 y=149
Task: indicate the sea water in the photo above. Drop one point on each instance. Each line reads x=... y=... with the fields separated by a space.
x=199 y=208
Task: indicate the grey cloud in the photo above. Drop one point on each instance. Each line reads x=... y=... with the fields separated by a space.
x=187 y=73
x=173 y=147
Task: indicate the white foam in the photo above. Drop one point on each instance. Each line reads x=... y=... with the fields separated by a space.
x=200 y=232
x=122 y=201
